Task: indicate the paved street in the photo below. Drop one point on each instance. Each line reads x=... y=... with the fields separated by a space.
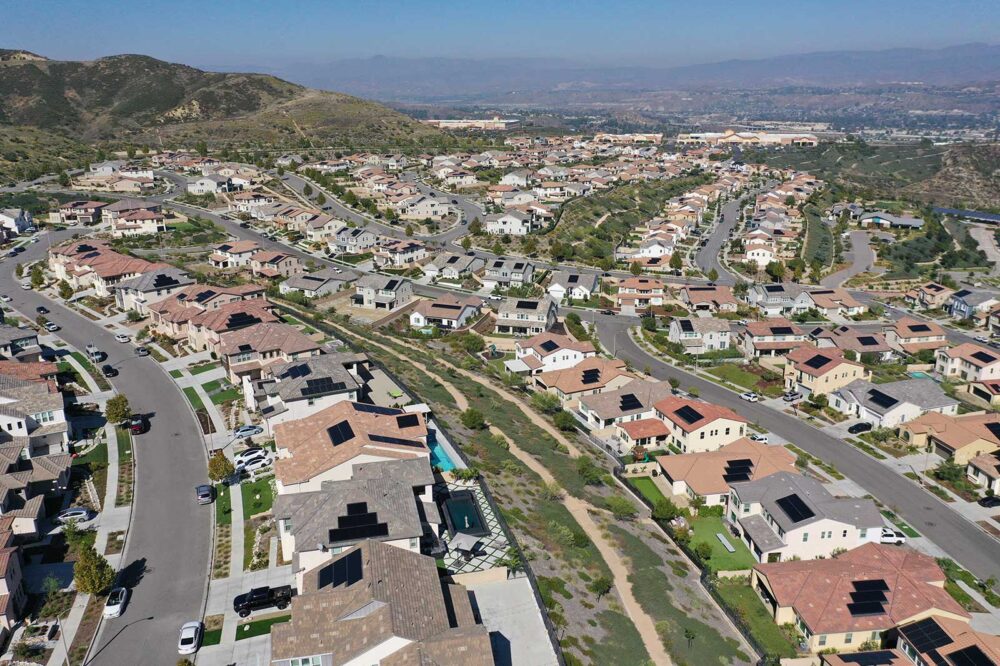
x=167 y=552
x=962 y=540
x=862 y=259
x=708 y=257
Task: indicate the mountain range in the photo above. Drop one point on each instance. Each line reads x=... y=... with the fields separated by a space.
x=460 y=79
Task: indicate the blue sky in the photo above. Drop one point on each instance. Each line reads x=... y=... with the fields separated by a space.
x=228 y=33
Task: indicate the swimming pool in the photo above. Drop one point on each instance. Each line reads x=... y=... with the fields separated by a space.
x=440 y=459
x=461 y=512
x=920 y=375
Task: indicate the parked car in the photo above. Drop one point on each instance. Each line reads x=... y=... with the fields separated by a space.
x=41 y=309
x=95 y=354
x=190 y=638
x=859 y=428
x=5 y=298
x=758 y=437
x=121 y=337
x=750 y=396
x=247 y=431
x=109 y=371
x=248 y=454
x=892 y=536
x=791 y=396
x=137 y=424
x=117 y=600
x=77 y=514
x=262 y=597
x=51 y=326
x=255 y=464
x=982 y=338
x=989 y=502
x=607 y=312
x=141 y=351
x=204 y=493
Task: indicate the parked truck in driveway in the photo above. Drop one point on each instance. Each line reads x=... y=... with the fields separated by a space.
x=260 y=598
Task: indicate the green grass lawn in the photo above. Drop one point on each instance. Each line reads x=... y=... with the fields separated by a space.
x=98 y=454
x=99 y=379
x=194 y=398
x=176 y=374
x=207 y=367
x=259 y=627
x=734 y=374
x=704 y=529
x=223 y=505
x=252 y=504
x=124 y=438
x=212 y=637
x=211 y=386
x=903 y=527
x=737 y=595
x=647 y=488
x=226 y=396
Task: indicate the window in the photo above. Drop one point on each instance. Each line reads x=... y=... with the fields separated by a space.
x=848 y=638
x=805 y=537
x=44 y=417
x=414 y=542
x=727 y=431
x=822 y=639
x=242 y=357
x=746 y=508
x=863 y=533
x=844 y=534
x=305 y=661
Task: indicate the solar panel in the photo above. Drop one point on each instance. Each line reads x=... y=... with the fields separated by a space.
x=573 y=279
x=781 y=330
x=162 y=280
x=994 y=429
x=689 y=414
x=346 y=571
x=876 y=658
x=736 y=477
x=340 y=433
x=881 y=399
x=359 y=523
x=390 y=285
x=868 y=585
x=970 y=656
x=867 y=340
x=591 y=376
x=385 y=439
x=321 y=385
x=868 y=595
x=629 y=402
x=527 y=305
x=447 y=306
x=549 y=345
x=925 y=635
x=866 y=608
x=686 y=325
x=985 y=357
x=795 y=508
x=407 y=420
x=919 y=328
x=375 y=409
x=817 y=361
x=772 y=288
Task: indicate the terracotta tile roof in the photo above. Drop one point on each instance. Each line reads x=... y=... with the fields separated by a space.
x=231 y=316
x=306 y=448
x=961 y=637
x=979 y=356
x=904 y=328
x=266 y=337
x=765 y=327
x=956 y=431
x=571 y=380
x=36 y=371
x=819 y=590
x=644 y=428
x=703 y=472
x=238 y=247
x=808 y=360
x=668 y=407
x=538 y=342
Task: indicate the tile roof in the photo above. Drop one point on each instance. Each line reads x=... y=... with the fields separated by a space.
x=704 y=472
x=707 y=412
x=267 y=337
x=607 y=405
x=545 y=344
x=571 y=380
x=861 y=513
x=957 y=431
x=818 y=362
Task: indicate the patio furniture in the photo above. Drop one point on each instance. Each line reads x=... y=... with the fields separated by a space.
x=464 y=543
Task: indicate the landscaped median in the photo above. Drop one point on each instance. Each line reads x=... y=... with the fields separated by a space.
x=126 y=468
x=223 y=531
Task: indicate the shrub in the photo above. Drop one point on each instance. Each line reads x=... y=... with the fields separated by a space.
x=473 y=419
x=621 y=508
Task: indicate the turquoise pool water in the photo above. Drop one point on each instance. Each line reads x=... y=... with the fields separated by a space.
x=920 y=375
x=440 y=459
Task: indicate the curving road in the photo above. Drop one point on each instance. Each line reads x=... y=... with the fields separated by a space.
x=166 y=557
x=961 y=539
x=862 y=259
x=709 y=256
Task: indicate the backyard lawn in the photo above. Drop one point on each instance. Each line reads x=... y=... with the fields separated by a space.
x=738 y=596
x=704 y=529
x=647 y=488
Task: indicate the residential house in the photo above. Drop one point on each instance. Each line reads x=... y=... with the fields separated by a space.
x=113 y=211
x=575 y=286
x=546 y=352
x=785 y=516
x=19 y=343
x=968 y=304
x=637 y=294
x=517 y=178
x=326 y=445
x=771 y=337
x=198 y=314
x=689 y=425
x=92 y=263
x=707 y=474
x=288 y=391
x=940 y=639
x=866 y=345
x=508 y=223
x=381 y=292
x=522 y=316
x=378 y=603
x=247 y=351
x=33 y=417
x=73 y=213
x=760 y=253
x=987 y=391
x=709 y=299
x=275 y=264
x=910 y=336
x=421 y=207
x=590 y=376
x=700 y=335
x=138 y=223
x=448 y=312
x=836 y=303
x=969 y=362
x=233 y=254
x=506 y=273
x=319 y=283
x=775 y=300
x=322 y=227
x=13 y=596
x=930 y=296
x=211 y=184
x=892 y=403
x=352 y=240
x=446 y=266
x=16 y=220
x=889 y=221
x=400 y=253
x=138 y=293
x=820 y=371
x=955 y=438
x=857 y=597
x=984 y=471
x=633 y=402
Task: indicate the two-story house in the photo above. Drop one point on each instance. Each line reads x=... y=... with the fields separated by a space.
x=381 y=292
x=246 y=352
x=447 y=312
x=889 y=404
x=546 y=352
x=446 y=266
x=274 y=264
x=137 y=293
x=820 y=371
x=699 y=335
x=505 y=273
x=352 y=240
x=689 y=425
x=969 y=362
x=233 y=254
x=771 y=337
x=638 y=294
x=910 y=336
x=522 y=316
x=572 y=285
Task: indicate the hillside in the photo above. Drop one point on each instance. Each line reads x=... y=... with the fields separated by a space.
x=28 y=152
x=142 y=99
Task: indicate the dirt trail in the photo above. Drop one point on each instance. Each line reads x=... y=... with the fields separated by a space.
x=579 y=509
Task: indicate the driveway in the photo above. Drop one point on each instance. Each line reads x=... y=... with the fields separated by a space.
x=167 y=553
x=962 y=540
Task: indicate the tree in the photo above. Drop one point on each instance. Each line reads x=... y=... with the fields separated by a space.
x=819 y=400
x=665 y=509
x=564 y=421
x=689 y=634
x=713 y=275
x=473 y=419
x=37 y=276
x=466 y=243
x=320 y=199
x=676 y=262
x=133 y=316
x=64 y=179
x=307 y=190
x=635 y=268
x=19 y=270
x=281 y=171
x=674 y=382
x=545 y=402
x=202 y=148
x=600 y=586
x=697 y=503
x=91 y=572
x=621 y=508
x=220 y=467
x=65 y=291
x=117 y=409
x=703 y=551
x=408 y=231
x=591 y=474
x=776 y=270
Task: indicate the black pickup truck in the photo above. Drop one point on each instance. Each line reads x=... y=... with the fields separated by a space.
x=262 y=597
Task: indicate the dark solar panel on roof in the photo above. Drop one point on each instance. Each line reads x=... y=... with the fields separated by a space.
x=772 y=288
x=868 y=595
x=686 y=325
x=628 y=402
x=374 y=409
x=868 y=585
x=736 y=477
x=549 y=345
x=340 y=433
x=162 y=281
x=866 y=608
x=407 y=420
x=881 y=399
x=919 y=328
x=925 y=635
x=527 y=305
x=876 y=658
x=345 y=571
x=321 y=385
x=994 y=429
x=781 y=330
x=689 y=414
x=867 y=340
x=573 y=279
x=795 y=508
x=985 y=357
x=970 y=656
x=818 y=361
x=591 y=376
x=385 y=439
x=391 y=284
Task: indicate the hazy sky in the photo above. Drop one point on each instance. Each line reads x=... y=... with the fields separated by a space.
x=669 y=32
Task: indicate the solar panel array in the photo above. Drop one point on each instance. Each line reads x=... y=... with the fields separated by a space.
x=407 y=420
x=919 y=328
x=781 y=330
x=970 y=656
x=881 y=399
x=340 y=433
x=795 y=508
x=628 y=402
x=867 y=340
x=985 y=357
x=375 y=409
x=399 y=441
x=994 y=429
x=817 y=361
x=321 y=386
x=925 y=635
x=345 y=571
x=591 y=376
x=161 y=281
x=876 y=658
x=773 y=288
x=738 y=470
x=686 y=325
x=549 y=345
x=689 y=414
x=573 y=279
x=527 y=305
x=359 y=523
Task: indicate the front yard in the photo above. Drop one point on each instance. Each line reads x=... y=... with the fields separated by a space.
x=750 y=377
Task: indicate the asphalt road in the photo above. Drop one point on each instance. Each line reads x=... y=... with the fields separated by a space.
x=167 y=552
x=961 y=539
x=862 y=259
x=708 y=256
